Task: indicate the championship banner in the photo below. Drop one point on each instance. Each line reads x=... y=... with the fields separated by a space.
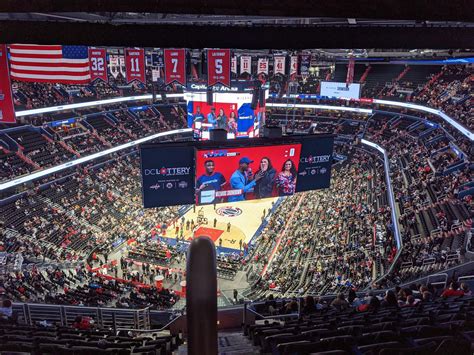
x=98 y=64
x=7 y=111
x=175 y=66
x=262 y=66
x=304 y=64
x=156 y=60
x=218 y=67
x=294 y=65
x=279 y=65
x=155 y=75
x=233 y=64
x=114 y=65
x=135 y=65
x=122 y=66
x=245 y=64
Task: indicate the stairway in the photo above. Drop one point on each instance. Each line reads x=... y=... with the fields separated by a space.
x=229 y=343
x=27 y=159
x=68 y=148
x=235 y=343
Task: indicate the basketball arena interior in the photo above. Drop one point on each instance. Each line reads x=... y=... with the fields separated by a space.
x=216 y=179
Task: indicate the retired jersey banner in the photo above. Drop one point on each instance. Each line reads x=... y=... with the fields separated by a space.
x=262 y=66
x=233 y=64
x=122 y=65
x=175 y=66
x=218 y=67
x=114 y=65
x=155 y=75
x=7 y=112
x=98 y=64
x=279 y=65
x=304 y=64
x=294 y=65
x=135 y=64
x=245 y=64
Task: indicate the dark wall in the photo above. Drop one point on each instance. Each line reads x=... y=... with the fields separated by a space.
x=234 y=37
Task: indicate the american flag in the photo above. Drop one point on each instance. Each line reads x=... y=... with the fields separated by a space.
x=49 y=64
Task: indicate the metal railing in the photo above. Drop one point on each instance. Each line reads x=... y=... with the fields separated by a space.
x=391 y=201
x=110 y=318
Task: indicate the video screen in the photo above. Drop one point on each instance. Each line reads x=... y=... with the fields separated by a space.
x=314 y=172
x=241 y=174
x=229 y=111
x=167 y=175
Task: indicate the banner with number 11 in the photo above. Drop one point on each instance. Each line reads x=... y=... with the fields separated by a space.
x=135 y=65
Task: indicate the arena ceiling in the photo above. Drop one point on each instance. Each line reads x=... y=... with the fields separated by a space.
x=435 y=24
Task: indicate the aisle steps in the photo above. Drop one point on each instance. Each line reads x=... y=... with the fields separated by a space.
x=230 y=343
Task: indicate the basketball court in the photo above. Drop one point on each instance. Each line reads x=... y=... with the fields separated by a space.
x=244 y=218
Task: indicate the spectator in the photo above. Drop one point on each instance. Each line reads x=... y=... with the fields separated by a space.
x=452 y=291
x=309 y=305
x=390 y=299
x=340 y=302
x=6 y=311
x=465 y=289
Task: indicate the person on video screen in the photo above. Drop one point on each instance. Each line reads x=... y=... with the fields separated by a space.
x=222 y=119
x=198 y=116
x=211 y=117
x=264 y=186
x=232 y=124
x=243 y=179
x=210 y=180
x=286 y=179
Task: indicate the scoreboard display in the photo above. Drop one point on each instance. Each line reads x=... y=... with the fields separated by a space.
x=232 y=171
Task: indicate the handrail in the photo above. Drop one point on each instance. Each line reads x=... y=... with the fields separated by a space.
x=420 y=279
x=272 y=316
x=32 y=312
x=391 y=201
x=143 y=331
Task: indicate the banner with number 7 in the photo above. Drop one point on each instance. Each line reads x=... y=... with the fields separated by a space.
x=175 y=66
x=218 y=67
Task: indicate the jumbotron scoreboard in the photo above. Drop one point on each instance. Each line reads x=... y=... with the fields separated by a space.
x=209 y=172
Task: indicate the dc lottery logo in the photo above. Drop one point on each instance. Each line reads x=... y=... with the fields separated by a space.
x=229 y=211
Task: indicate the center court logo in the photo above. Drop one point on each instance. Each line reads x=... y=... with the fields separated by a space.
x=229 y=211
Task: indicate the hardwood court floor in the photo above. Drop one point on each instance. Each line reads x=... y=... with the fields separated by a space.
x=245 y=217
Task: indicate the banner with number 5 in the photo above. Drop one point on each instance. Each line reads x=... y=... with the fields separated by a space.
x=175 y=66
x=135 y=64
x=218 y=67
x=98 y=64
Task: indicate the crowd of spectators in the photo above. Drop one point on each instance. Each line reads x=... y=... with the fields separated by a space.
x=47 y=147
x=333 y=240
x=30 y=95
x=449 y=90
x=419 y=318
x=328 y=241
